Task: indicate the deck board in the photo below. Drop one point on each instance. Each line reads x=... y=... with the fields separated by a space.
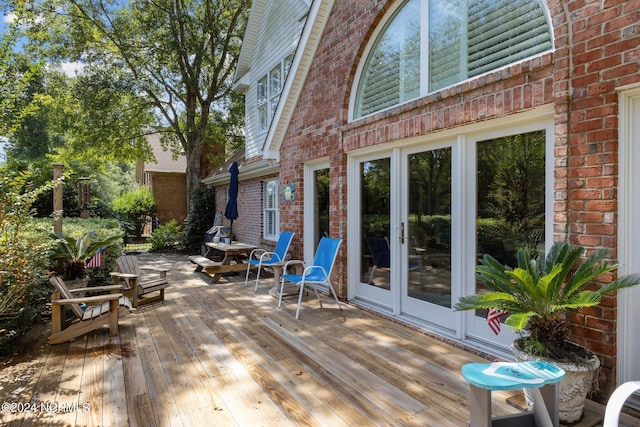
x=224 y=355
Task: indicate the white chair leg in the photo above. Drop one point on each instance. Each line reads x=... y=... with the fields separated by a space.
x=299 y=299
x=616 y=402
x=373 y=271
x=281 y=290
x=257 y=278
x=317 y=294
x=335 y=297
x=246 y=278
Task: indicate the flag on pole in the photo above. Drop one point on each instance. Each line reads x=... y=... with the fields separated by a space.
x=493 y=319
x=96 y=261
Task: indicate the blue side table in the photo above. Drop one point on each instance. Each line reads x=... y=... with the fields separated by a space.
x=542 y=377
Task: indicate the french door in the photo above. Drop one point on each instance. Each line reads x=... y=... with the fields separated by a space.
x=405 y=202
x=421 y=217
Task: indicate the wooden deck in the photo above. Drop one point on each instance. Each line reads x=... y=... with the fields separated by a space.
x=222 y=355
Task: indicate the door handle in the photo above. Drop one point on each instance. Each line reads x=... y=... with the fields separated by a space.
x=402 y=232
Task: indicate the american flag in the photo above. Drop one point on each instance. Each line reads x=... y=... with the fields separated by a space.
x=493 y=319
x=96 y=261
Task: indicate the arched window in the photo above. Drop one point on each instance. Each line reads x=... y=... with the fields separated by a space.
x=431 y=44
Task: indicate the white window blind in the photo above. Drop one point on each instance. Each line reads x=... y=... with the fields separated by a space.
x=447 y=29
x=393 y=69
x=271 y=205
x=505 y=31
x=465 y=38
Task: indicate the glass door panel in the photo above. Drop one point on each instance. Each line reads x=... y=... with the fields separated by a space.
x=510 y=211
x=321 y=205
x=429 y=227
x=426 y=267
x=375 y=226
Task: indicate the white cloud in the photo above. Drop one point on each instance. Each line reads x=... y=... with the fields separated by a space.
x=9 y=18
x=71 y=69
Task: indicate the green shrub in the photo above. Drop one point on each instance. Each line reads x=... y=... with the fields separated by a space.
x=133 y=209
x=166 y=237
x=202 y=212
x=23 y=265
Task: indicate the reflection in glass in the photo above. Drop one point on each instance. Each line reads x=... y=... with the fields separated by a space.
x=321 y=217
x=429 y=226
x=510 y=192
x=375 y=202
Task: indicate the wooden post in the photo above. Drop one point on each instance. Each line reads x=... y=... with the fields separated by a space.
x=57 y=199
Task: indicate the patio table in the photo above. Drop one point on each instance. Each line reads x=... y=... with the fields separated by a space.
x=234 y=260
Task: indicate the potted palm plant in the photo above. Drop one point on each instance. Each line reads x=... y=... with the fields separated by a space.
x=74 y=253
x=536 y=298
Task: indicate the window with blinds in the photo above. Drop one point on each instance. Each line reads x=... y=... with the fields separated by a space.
x=271 y=210
x=448 y=41
x=392 y=72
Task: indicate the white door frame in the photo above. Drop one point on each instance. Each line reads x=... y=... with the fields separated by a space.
x=384 y=300
x=628 y=340
x=310 y=204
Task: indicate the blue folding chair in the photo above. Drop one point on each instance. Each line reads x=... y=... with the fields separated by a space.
x=262 y=258
x=319 y=272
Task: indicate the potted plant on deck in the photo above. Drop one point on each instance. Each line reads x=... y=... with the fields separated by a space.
x=536 y=297
x=75 y=253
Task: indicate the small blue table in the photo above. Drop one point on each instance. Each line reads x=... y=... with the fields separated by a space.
x=542 y=377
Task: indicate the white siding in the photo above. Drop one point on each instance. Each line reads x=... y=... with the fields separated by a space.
x=279 y=34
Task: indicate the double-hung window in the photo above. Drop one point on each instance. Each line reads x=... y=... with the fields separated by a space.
x=268 y=91
x=271 y=210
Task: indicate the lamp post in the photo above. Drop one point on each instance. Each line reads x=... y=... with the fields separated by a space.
x=57 y=198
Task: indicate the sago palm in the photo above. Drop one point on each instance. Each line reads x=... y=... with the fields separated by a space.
x=76 y=252
x=537 y=296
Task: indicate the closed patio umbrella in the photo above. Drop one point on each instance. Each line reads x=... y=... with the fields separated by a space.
x=231 y=211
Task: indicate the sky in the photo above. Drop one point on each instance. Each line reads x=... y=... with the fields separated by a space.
x=71 y=69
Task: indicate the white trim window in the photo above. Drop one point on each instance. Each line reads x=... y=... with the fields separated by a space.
x=427 y=45
x=271 y=215
x=268 y=92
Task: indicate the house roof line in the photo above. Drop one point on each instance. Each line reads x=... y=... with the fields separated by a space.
x=311 y=35
x=249 y=41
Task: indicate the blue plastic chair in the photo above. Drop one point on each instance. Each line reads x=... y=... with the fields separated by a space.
x=318 y=273
x=262 y=258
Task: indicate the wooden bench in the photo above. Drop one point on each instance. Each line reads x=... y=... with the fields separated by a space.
x=215 y=268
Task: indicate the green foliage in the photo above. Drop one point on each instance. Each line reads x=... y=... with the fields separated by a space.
x=14 y=76
x=22 y=260
x=200 y=218
x=159 y=67
x=133 y=208
x=536 y=296
x=76 y=228
x=76 y=252
x=166 y=237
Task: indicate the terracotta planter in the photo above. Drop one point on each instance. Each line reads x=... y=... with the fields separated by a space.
x=573 y=389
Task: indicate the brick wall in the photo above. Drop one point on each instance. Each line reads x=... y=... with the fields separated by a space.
x=602 y=55
x=170 y=194
x=248 y=226
x=596 y=51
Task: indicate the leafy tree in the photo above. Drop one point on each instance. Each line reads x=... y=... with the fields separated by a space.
x=13 y=79
x=150 y=67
